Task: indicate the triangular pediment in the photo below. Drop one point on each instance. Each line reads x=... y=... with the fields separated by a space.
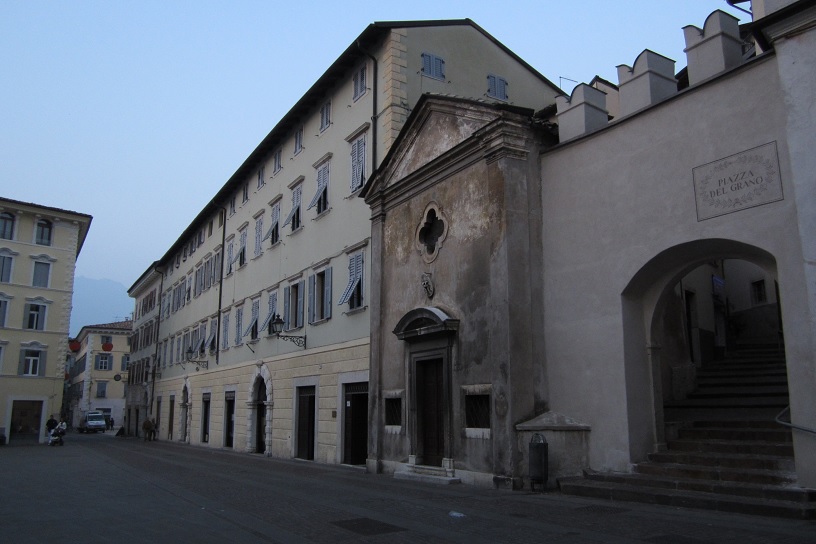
x=437 y=125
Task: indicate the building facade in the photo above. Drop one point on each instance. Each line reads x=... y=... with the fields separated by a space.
x=39 y=246
x=568 y=281
x=97 y=372
x=263 y=319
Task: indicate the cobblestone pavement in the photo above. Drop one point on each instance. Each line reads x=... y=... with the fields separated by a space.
x=102 y=489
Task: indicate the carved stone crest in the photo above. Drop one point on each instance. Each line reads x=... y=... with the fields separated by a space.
x=427 y=284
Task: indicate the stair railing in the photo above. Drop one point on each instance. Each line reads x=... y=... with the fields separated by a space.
x=778 y=419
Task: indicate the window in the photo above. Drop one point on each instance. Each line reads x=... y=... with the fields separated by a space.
x=41 y=273
x=239 y=320
x=273 y=233
x=212 y=343
x=3 y=311
x=496 y=87
x=6 y=226
x=358 y=158
x=294 y=216
x=245 y=192
x=101 y=390
x=393 y=411
x=325 y=116
x=258 y=235
x=32 y=363
x=106 y=339
x=298 y=140
x=758 y=294
x=293 y=306
x=34 y=317
x=261 y=180
x=320 y=295
x=477 y=411
x=241 y=256
x=126 y=359
x=433 y=66
x=252 y=328
x=225 y=331
x=103 y=362
x=271 y=312
x=359 y=79
x=44 y=232
x=353 y=294
x=277 y=164
x=230 y=255
x=321 y=197
x=232 y=205
x=5 y=268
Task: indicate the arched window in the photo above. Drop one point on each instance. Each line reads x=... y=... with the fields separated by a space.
x=44 y=230
x=6 y=226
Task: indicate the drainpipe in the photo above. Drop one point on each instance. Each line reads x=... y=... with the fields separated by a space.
x=156 y=351
x=374 y=113
x=220 y=286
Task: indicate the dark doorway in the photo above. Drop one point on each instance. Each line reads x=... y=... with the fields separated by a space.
x=171 y=415
x=260 y=418
x=355 y=421
x=430 y=410
x=306 y=422
x=229 y=418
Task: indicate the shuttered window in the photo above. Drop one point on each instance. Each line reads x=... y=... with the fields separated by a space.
x=320 y=296
x=358 y=158
x=294 y=216
x=496 y=87
x=433 y=66
x=353 y=294
x=321 y=197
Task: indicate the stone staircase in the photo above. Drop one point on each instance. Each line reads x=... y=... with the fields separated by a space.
x=724 y=450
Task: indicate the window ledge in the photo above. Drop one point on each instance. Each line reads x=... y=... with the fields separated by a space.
x=320 y=321
x=393 y=429
x=359 y=310
x=297 y=230
x=322 y=214
x=471 y=432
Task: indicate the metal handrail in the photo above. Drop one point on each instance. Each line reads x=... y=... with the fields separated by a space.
x=791 y=425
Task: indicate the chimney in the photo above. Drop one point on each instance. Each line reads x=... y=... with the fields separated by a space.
x=650 y=81
x=714 y=49
x=584 y=111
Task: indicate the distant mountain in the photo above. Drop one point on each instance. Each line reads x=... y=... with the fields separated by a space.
x=98 y=301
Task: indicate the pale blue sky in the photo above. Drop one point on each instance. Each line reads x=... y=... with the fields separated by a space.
x=138 y=112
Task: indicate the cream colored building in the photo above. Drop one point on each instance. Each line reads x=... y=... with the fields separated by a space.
x=287 y=236
x=39 y=246
x=98 y=370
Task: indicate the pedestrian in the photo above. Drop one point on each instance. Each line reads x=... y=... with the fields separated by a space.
x=111 y=423
x=155 y=431
x=51 y=424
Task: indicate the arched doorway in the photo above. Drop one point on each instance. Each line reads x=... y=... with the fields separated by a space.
x=677 y=306
x=259 y=407
x=429 y=335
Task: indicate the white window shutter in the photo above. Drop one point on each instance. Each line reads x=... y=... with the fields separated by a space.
x=327 y=292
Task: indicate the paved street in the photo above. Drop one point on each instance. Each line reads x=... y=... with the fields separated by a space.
x=103 y=489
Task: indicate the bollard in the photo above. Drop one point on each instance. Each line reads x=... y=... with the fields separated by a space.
x=538 y=461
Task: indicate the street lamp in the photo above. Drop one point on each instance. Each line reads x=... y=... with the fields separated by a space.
x=203 y=363
x=277 y=328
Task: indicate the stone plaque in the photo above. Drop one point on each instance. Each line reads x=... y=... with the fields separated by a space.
x=741 y=181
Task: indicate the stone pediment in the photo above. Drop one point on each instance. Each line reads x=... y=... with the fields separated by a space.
x=437 y=125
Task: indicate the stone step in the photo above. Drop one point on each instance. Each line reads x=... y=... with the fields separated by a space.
x=729 y=381
x=751 y=476
x=738 y=424
x=780 y=435
x=744 y=371
x=679 y=497
x=732 y=446
x=426 y=474
x=731 y=402
x=705 y=458
x=744 y=391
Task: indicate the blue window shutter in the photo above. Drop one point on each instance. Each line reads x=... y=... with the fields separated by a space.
x=26 y=313
x=439 y=67
x=312 y=299
x=491 y=86
x=301 y=289
x=41 y=366
x=97 y=357
x=327 y=293
x=286 y=308
x=426 y=63
x=21 y=366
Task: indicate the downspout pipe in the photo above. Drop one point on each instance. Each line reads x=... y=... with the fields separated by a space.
x=374 y=114
x=223 y=212
x=156 y=351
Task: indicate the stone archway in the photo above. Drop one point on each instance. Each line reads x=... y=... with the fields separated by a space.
x=259 y=412
x=643 y=303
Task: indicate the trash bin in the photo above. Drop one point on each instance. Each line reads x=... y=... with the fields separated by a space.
x=538 y=461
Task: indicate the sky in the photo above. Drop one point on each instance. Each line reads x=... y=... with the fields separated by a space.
x=137 y=113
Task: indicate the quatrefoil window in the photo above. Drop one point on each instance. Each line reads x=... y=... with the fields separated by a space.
x=431 y=232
